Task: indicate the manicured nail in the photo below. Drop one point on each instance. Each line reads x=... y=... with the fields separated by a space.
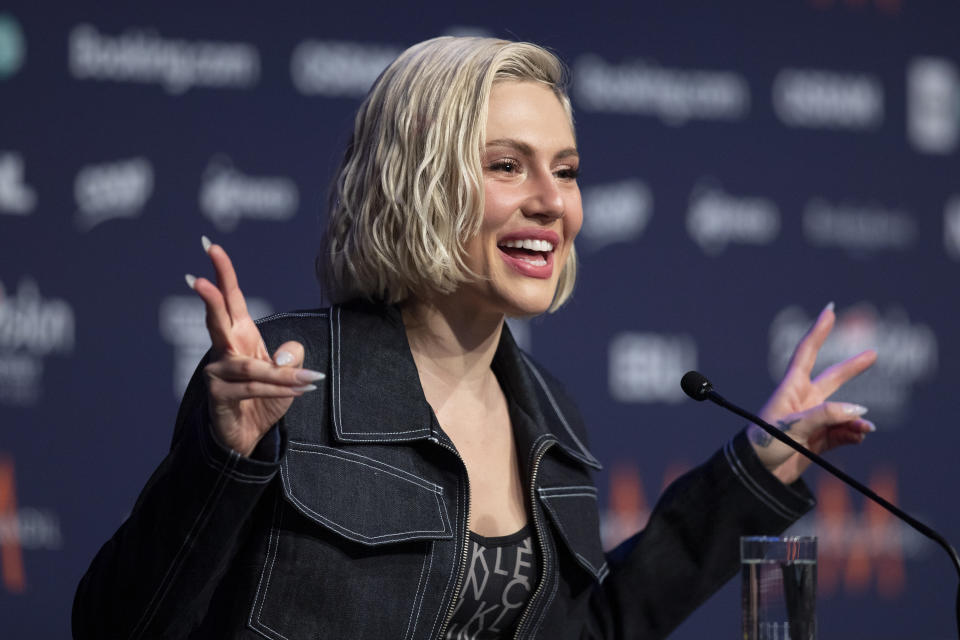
x=308 y=375
x=853 y=409
x=191 y=280
x=829 y=306
x=205 y=241
x=870 y=426
x=283 y=358
x=306 y=387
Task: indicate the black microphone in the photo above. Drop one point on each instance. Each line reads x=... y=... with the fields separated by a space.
x=696 y=385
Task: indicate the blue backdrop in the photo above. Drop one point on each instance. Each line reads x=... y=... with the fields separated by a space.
x=744 y=163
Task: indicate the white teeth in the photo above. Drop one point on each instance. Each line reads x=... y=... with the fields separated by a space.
x=538 y=261
x=528 y=244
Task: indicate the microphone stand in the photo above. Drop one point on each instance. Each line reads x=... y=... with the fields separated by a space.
x=699 y=388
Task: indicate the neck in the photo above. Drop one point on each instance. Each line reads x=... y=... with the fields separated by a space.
x=453 y=347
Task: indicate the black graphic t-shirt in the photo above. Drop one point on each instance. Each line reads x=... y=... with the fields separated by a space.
x=500 y=576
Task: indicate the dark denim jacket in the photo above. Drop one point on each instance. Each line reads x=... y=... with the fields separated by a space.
x=351 y=519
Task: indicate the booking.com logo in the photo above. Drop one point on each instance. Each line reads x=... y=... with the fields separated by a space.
x=12 y=46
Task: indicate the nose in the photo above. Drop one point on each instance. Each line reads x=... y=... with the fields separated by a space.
x=544 y=198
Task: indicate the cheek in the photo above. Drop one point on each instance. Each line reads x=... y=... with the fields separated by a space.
x=573 y=217
x=497 y=208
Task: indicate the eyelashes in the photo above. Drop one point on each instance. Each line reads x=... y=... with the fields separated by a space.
x=511 y=166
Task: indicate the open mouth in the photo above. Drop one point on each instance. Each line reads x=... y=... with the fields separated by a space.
x=534 y=252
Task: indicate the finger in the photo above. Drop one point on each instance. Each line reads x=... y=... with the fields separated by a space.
x=289 y=354
x=256 y=370
x=837 y=375
x=805 y=355
x=810 y=424
x=853 y=432
x=223 y=390
x=227 y=282
x=217 y=318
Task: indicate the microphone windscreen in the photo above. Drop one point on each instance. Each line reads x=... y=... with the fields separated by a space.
x=695 y=385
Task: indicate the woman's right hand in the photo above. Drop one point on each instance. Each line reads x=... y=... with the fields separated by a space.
x=248 y=391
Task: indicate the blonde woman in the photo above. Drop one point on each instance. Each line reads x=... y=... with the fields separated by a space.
x=394 y=466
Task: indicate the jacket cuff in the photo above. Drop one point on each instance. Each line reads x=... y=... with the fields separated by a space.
x=258 y=468
x=788 y=501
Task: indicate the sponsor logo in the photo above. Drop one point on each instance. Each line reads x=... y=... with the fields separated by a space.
x=13 y=47
x=828 y=100
x=857 y=227
x=910 y=354
x=141 y=56
x=676 y=96
x=21 y=528
x=933 y=105
x=716 y=219
x=183 y=324
x=227 y=195
x=16 y=197
x=951 y=227
x=616 y=212
x=645 y=367
x=113 y=190
x=31 y=328
x=856 y=549
x=337 y=68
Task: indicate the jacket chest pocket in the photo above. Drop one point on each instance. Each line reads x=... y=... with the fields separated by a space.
x=354 y=544
x=574 y=513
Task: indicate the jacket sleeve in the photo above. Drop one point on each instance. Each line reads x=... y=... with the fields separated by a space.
x=155 y=576
x=690 y=546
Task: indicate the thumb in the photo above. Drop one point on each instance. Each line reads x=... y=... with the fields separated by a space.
x=289 y=354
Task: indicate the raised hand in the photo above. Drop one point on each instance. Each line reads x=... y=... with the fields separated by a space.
x=800 y=408
x=248 y=390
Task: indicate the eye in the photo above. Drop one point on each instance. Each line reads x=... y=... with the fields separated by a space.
x=505 y=165
x=567 y=173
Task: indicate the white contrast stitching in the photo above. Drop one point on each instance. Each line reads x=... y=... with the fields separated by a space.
x=556 y=409
x=334 y=453
x=175 y=563
x=423 y=572
x=270 y=577
x=753 y=486
x=585 y=487
x=456 y=551
x=559 y=522
x=289 y=314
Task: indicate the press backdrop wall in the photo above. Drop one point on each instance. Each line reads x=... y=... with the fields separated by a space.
x=744 y=163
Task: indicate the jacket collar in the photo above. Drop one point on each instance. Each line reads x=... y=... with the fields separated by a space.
x=376 y=394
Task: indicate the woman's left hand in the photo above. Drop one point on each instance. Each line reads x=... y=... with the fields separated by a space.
x=800 y=409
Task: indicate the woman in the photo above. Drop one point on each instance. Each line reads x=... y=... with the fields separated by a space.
x=394 y=466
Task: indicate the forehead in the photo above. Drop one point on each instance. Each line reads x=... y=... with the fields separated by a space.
x=527 y=108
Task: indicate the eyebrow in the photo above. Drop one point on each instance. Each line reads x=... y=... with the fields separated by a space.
x=527 y=150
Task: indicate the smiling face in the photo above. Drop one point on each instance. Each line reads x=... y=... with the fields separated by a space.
x=532 y=209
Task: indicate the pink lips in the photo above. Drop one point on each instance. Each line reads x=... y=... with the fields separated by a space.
x=524 y=267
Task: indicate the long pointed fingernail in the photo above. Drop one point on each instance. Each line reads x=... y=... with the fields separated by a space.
x=205 y=241
x=870 y=426
x=306 y=387
x=854 y=409
x=829 y=306
x=283 y=358
x=191 y=280
x=308 y=375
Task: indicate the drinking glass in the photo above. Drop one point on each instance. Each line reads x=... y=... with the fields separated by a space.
x=779 y=588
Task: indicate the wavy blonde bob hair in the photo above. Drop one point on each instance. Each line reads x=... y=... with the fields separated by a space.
x=409 y=192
